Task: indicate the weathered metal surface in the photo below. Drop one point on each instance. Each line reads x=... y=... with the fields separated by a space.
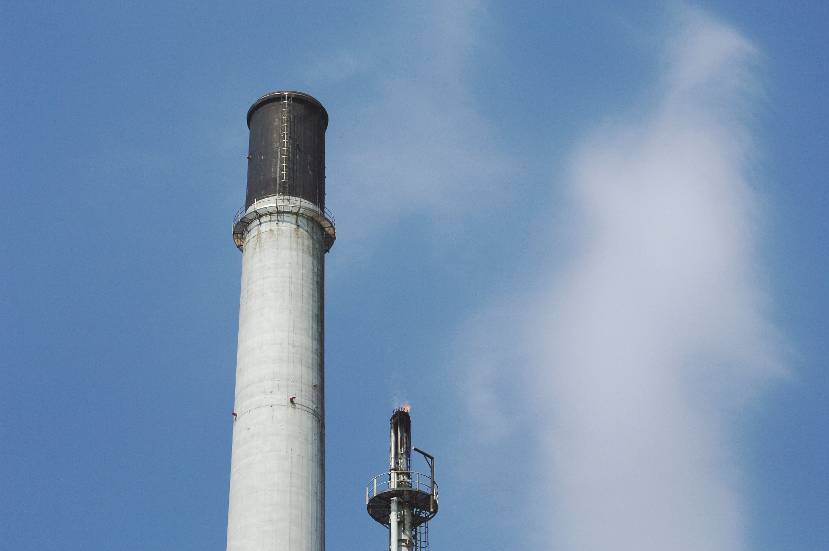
x=400 y=441
x=286 y=153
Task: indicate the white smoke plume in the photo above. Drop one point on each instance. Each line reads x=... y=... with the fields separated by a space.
x=649 y=343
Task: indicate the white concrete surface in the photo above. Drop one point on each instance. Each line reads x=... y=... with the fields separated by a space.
x=277 y=481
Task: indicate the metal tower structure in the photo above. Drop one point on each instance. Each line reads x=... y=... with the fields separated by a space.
x=277 y=477
x=404 y=500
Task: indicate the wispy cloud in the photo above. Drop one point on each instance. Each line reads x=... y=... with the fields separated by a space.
x=644 y=348
x=421 y=145
x=337 y=66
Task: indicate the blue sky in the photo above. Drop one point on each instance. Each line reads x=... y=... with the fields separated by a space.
x=586 y=243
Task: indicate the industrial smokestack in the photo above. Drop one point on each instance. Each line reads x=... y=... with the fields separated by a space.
x=277 y=478
x=400 y=437
x=402 y=499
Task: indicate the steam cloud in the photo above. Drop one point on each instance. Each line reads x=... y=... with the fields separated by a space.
x=649 y=343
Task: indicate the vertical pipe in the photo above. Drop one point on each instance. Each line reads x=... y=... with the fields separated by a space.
x=406 y=535
x=394 y=531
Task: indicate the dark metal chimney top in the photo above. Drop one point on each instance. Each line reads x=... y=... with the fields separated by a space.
x=286 y=152
x=279 y=95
